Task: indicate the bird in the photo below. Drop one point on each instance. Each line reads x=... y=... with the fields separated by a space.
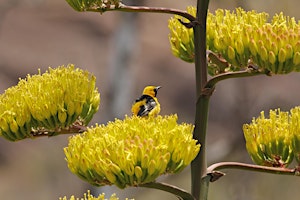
x=147 y=104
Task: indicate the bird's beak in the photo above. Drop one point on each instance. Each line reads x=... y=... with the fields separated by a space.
x=157 y=88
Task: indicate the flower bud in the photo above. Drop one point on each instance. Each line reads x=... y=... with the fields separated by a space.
x=296 y=59
x=272 y=57
x=253 y=47
x=231 y=53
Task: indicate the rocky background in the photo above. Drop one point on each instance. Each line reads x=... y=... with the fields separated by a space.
x=41 y=33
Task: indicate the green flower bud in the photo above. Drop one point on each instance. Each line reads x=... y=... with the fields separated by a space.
x=282 y=55
x=62 y=116
x=272 y=57
x=4 y=125
x=231 y=53
x=132 y=151
x=239 y=47
x=13 y=125
x=33 y=107
x=289 y=51
x=151 y=167
x=263 y=53
x=253 y=47
x=274 y=47
x=296 y=59
x=138 y=172
x=110 y=177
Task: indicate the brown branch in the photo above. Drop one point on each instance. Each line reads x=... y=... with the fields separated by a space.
x=126 y=8
x=215 y=175
x=41 y=132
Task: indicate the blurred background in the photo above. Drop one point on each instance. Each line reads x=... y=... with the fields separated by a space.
x=126 y=52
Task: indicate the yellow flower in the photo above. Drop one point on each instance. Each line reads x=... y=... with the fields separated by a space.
x=48 y=103
x=132 y=151
x=88 y=196
x=268 y=140
x=295 y=130
x=181 y=38
x=241 y=38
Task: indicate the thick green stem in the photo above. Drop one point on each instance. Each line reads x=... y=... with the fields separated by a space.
x=198 y=166
x=180 y=193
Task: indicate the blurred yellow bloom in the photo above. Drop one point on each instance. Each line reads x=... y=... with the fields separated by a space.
x=48 y=103
x=241 y=38
x=87 y=5
x=88 y=196
x=132 y=151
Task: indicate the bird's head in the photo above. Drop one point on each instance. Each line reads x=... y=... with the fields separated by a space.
x=151 y=90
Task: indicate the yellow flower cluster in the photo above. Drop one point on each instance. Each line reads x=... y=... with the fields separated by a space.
x=48 y=102
x=275 y=140
x=88 y=196
x=243 y=38
x=86 y=5
x=132 y=151
x=182 y=38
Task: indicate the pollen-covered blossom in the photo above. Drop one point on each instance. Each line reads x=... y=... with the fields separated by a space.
x=243 y=38
x=88 y=196
x=132 y=151
x=48 y=103
x=268 y=140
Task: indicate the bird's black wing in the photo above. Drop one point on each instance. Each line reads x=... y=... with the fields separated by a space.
x=147 y=107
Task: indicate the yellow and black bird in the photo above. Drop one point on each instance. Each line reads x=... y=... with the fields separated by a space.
x=147 y=104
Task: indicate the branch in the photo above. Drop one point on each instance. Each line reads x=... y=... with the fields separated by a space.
x=126 y=8
x=75 y=128
x=180 y=193
x=238 y=74
x=215 y=175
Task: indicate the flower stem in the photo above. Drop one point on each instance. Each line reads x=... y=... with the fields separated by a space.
x=238 y=74
x=211 y=170
x=198 y=166
x=180 y=193
x=147 y=9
